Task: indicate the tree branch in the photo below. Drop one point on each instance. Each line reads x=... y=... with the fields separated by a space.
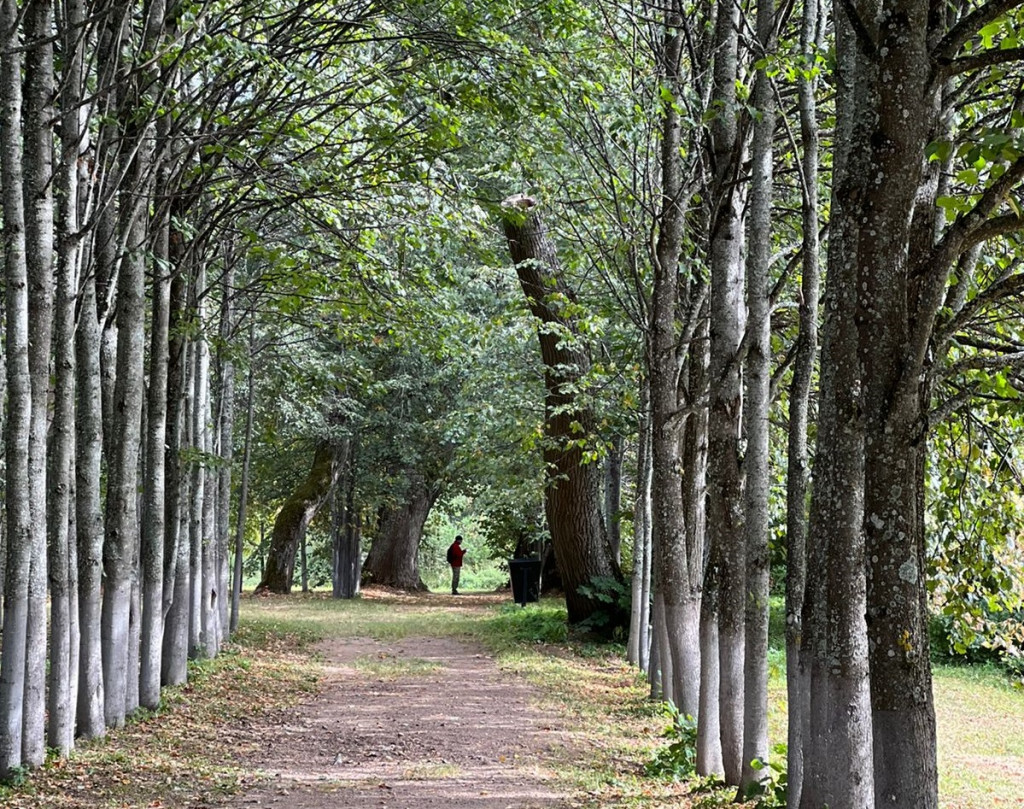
x=977 y=61
x=967 y=27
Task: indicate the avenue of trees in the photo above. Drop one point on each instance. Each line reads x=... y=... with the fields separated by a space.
x=282 y=279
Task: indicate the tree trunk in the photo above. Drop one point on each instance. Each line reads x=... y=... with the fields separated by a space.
x=243 y=491
x=797 y=680
x=638 y=646
x=177 y=550
x=19 y=399
x=757 y=379
x=154 y=515
x=60 y=704
x=226 y=440
x=89 y=513
x=573 y=489
x=200 y=422
x=725 y=476
x=346 y=566
x=709 y=735
x=838 y=767
x=293 y=519
x=613 y=495
x=39 y=232
x=393 y=560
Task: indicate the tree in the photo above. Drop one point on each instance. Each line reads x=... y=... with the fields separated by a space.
x=572 y=493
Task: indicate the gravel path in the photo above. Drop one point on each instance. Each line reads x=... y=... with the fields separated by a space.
x=450 y=730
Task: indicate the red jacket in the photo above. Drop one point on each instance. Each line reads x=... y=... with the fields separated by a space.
x=455 y=554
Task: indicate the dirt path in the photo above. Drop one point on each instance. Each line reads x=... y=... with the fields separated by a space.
x=450 y=730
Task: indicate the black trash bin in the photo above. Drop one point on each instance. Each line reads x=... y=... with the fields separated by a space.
x=525 y=574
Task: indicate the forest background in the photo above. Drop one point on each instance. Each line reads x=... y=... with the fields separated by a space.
x=257 y=272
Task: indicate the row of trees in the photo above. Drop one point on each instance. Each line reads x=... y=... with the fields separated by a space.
x=309 y=196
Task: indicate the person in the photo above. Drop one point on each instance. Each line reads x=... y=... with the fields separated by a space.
x=455 y=554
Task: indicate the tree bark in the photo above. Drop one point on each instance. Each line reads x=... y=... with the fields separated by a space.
x=725 y=474
x=573 y=488
x=756 y=401
x=39 y=233
x=19 y=399
x=243 y=490
x=294 y=517
x=393 y=560
x=797 y=680
x=346 y=568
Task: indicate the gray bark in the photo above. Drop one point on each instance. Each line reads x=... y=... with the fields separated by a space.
x=177 y=551
x=838 y=767
x=226 y=442
x=243 y=489
x=797 y=681
x=756 y=401
x=638 y=646
x=153 y=510
x=61 y=704
x=196 y=504
x=89 y=514
x=39 y=239
x=19 y=399
x=678 y=563
x=725 y=477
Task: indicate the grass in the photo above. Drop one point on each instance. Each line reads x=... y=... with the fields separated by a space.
x=176 y=756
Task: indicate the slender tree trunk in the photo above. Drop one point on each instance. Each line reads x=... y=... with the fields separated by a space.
x=19 y=399
x=345 y=526
x=725 y=477
x=757 y=379
x=177 y=550
x=709 y=735
x=196 y=506
x=89 y=513
x=226 y=440
x=797 y=680
x=243 y=493
x=154 y=527
x=293 y=519
x=613 y=495
x=573 y=490
x=638 y=646
x=61 y=702
x=39 y=237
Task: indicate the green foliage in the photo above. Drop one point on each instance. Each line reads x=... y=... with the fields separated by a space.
x=770 y=791
x=514 y=625
x=616 y=597
x=678 y=759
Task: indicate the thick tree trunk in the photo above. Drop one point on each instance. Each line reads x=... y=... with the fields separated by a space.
x=293 y=519
x=573 y=490
x=393 y=560
x=838 y=769
x=613 y=495
x=709 y=735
